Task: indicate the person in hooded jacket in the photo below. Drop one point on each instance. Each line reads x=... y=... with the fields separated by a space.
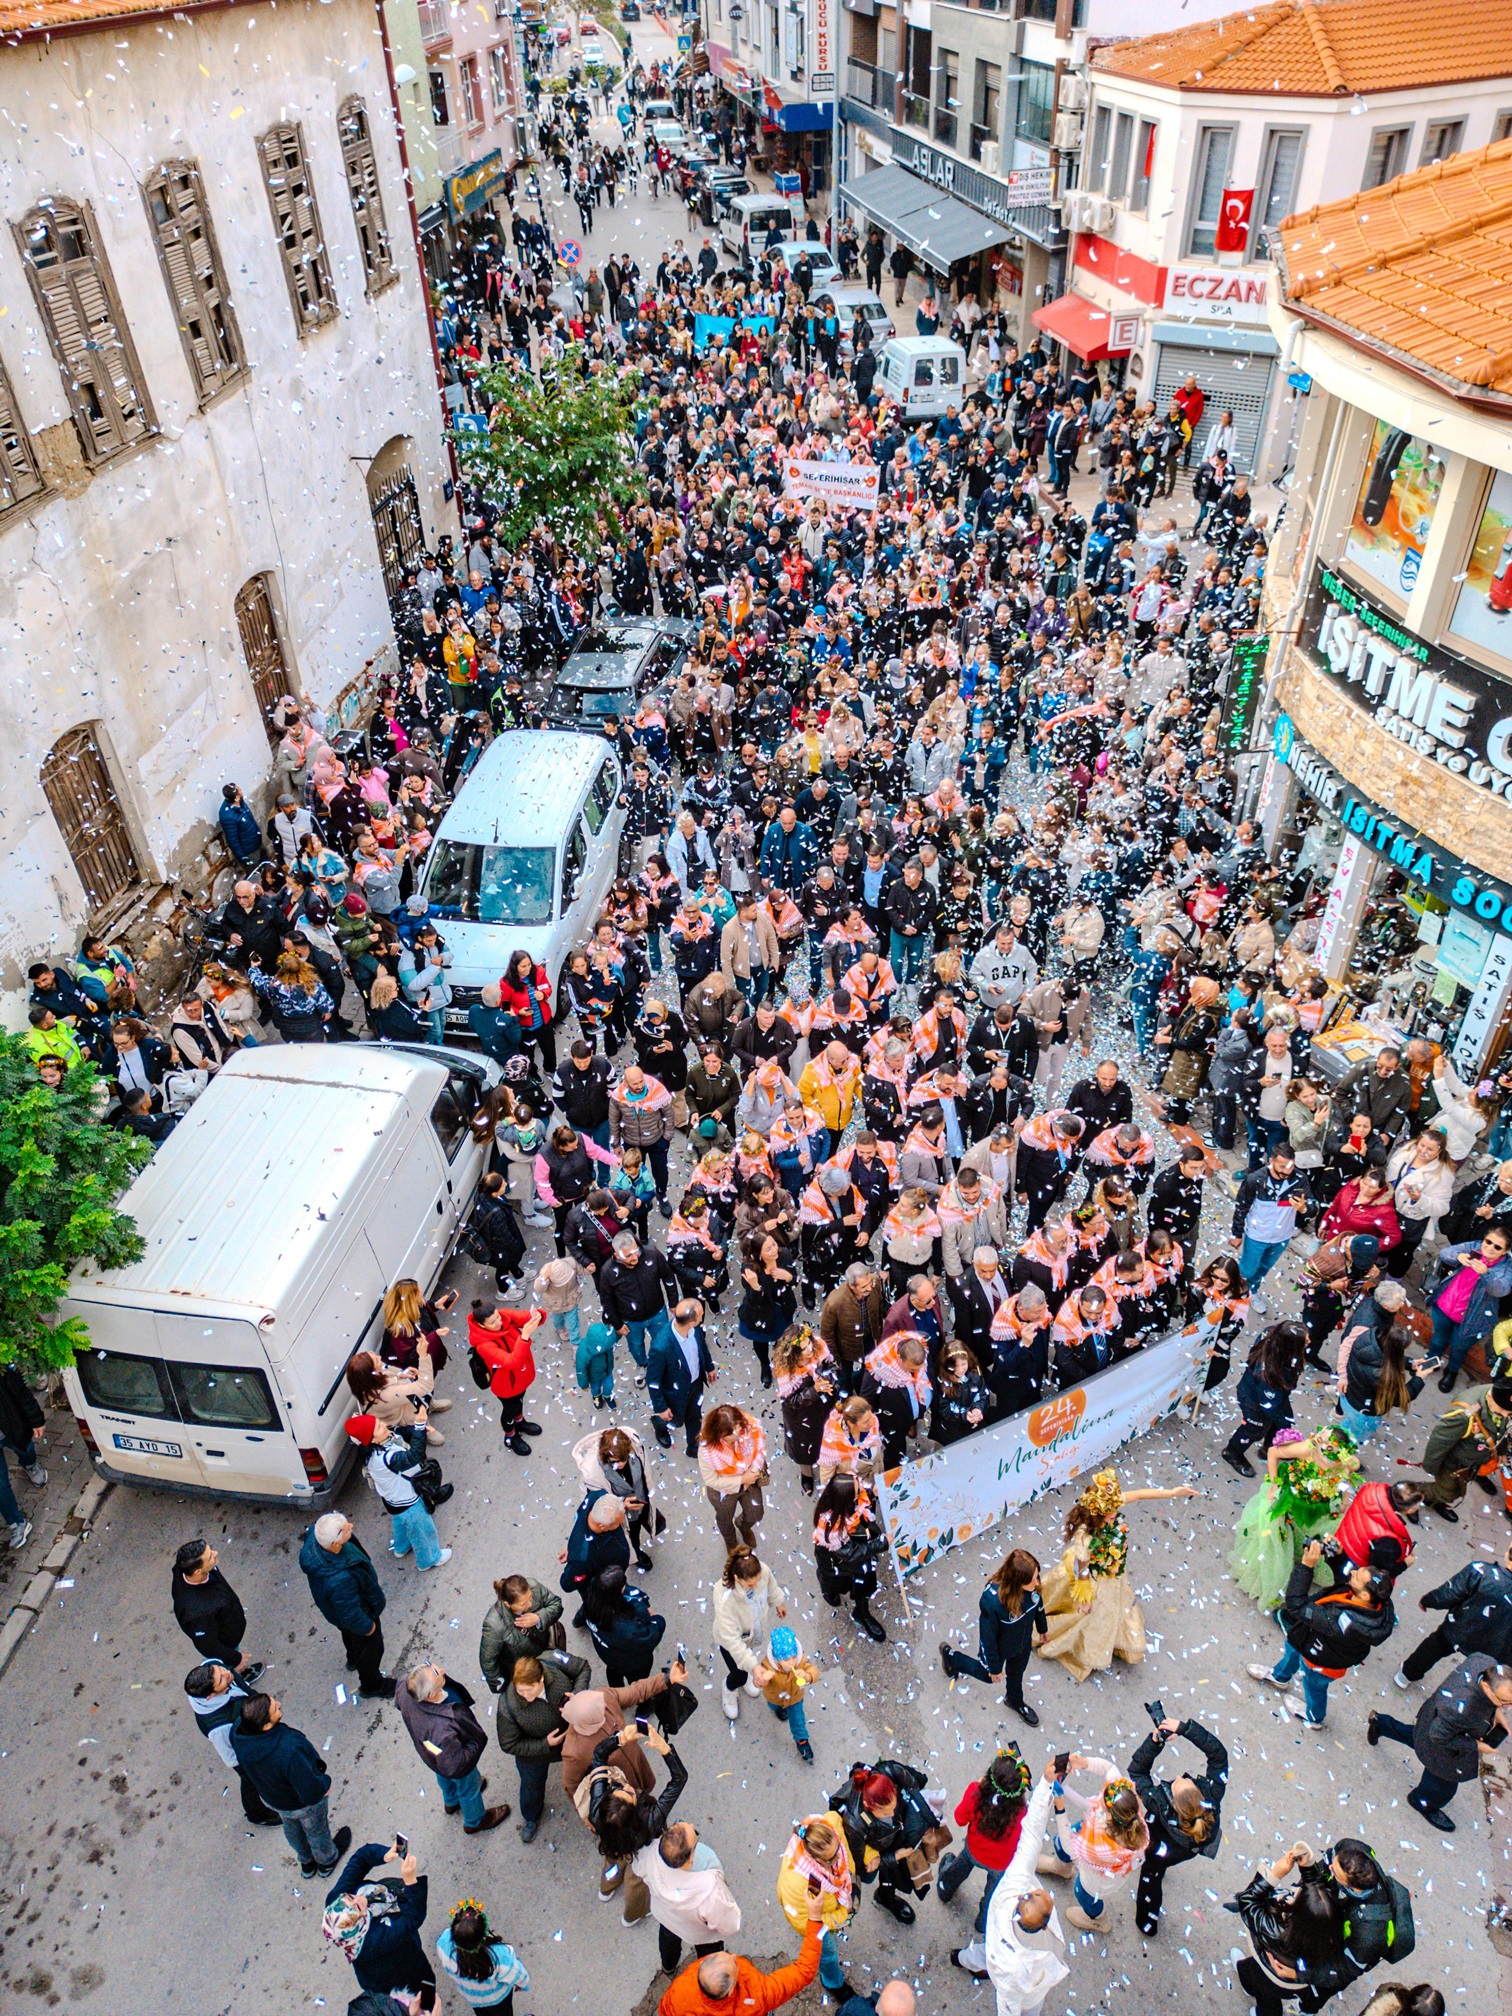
x=1181 y=1813
x=216 y=1696
x=883 y=1817
x=1329 y=1632
x=1477 y=1603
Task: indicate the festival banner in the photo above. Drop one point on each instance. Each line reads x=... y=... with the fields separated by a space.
x=934 y=1504
x=850 y=486
x=707 y=327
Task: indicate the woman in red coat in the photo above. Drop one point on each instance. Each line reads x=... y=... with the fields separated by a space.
x=525 y=993
x=501 y=1338
x=1364 y=1206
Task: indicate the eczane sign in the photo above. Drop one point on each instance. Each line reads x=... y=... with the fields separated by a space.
x=1215 y=294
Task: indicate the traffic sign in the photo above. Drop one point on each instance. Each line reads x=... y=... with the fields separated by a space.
x=569 y=252
x=684 y=44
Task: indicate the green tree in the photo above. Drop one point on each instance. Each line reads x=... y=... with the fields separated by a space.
x=560 y=449
x=61 y=1172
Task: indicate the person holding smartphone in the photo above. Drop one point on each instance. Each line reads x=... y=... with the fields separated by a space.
x=1180 y=1813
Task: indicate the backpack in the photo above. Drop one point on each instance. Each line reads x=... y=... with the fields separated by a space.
x=477 y=1364
x=1384 y=1931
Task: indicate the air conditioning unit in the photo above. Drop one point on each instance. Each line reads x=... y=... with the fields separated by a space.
x=1086 y=212
x=1073 y=92
x=992 y=153
x=1066 y=134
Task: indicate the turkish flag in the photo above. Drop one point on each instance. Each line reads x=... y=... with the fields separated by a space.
x=1234 y=220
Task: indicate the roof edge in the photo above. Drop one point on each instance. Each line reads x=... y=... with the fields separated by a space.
x=113 y=23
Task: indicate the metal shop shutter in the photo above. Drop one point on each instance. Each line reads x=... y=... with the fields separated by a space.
x=1233 y=382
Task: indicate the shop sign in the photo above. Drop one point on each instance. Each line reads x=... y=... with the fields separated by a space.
x=1463 y=948
x=996 y=197
x=1340 y=891
x=469 y=189
x=1123 y=334
x=822 y=81
x=1438 y=704
x=1245 y=685
x=1487 y=1007
x=1215 y=294
x=1429 y=868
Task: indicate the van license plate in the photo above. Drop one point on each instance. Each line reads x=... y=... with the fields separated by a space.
x=139 y=1445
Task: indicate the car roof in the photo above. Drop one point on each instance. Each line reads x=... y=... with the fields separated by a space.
x=522 y=789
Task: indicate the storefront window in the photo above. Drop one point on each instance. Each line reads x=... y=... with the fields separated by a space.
x=1482 y=612
x=1393 y=512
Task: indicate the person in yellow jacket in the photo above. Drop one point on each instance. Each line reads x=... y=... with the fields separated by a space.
x=817 y=1863
x=828 y=1088
x=48 y=1037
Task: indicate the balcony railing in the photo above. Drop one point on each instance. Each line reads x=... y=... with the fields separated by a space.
x=870 y=86
x=451 y=150
x=946 y=126
x=435 y=21
x=981 y=136
x=915 y=110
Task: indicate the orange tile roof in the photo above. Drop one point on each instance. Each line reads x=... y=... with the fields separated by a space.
x=24 y=20
x=1323 y=48
x=1420 y=269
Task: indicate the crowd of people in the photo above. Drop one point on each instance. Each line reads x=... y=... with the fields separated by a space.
x=940 y=982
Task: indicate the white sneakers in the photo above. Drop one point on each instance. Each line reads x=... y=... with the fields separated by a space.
x=1400 y=1679
x=20 y=1534
x=752 y=1689
x=728 y=1699
x=1265 y=1675
x=37 y=1475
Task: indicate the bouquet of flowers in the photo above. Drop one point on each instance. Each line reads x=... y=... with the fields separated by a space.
x=1311 y=1487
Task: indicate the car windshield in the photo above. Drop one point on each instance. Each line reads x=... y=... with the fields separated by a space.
x=609 y=637
x=491 y=885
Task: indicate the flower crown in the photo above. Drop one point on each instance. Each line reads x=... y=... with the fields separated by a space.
x=1010 y=1774
x=1103 y=1495
x=467 y=1904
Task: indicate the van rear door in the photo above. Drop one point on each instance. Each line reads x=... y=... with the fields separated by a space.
x=231 y=1414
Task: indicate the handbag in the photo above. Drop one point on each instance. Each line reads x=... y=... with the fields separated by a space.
x=675 y=1707
x=427 y=1482
x=477 y=1364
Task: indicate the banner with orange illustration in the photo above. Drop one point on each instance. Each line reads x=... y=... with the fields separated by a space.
x=849 y=486
x=933 y=1505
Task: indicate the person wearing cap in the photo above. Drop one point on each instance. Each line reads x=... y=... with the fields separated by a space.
x=1470 y=1437
x=789 y=1675
x=394 y=1456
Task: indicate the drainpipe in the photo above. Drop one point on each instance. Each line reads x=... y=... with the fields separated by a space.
x=414 y=217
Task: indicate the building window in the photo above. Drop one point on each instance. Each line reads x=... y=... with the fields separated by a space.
x=1144 y=161
x=1123 y=147
x=21 y=477
x=1387 y=157
x=1095 y=161
x=1501 y=127
x=471 y=82
x=1280 y=163
x=77 y=784
x=196 y=279
x=1442 y=138
x=498 y=77
x=367 y=198
x=86 y=328
x=1036 y=105
x=440 y=109
x=947 y=96
x=987 y=110
x=262 y=647
x=1215 y=145
x=396 y=525
x=297 y=222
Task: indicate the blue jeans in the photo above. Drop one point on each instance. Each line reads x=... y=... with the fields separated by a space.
x=566 y=1324
x=1314 y=1683
x=1360 y=1426
x=953 y=1874
x=415 y=1528
x=10 y=1509
x=464 y=1792
x=307 y=1829
x=1257 y=1257
x=636 y=1338
x=1451 y=1342
x=907 y=956
x=1265 y=1136
x=1093 y=1906
x=831 y=1966
x=795 y=1718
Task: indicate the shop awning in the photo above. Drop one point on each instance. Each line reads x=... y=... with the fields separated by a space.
x=937 y=228
x=1082 y=328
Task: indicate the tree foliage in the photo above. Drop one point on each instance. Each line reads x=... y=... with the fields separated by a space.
x=560 y=449
x=61 y=1172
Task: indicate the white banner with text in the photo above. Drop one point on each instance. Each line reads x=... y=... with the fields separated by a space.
x=934 y=1504
x=849 y=486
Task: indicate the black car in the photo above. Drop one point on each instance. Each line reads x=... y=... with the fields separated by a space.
x=612 y=665
x=629 y=11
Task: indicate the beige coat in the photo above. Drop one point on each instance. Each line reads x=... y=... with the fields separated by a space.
x=735 y=947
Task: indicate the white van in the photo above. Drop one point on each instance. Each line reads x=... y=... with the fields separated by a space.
x=524 y=857
x=922 y=375
x=304 y=1181
x=750 y=221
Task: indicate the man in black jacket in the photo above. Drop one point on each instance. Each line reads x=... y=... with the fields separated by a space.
x=250 y=923
x=21 y=1422
x=346 y=1591
x=581 y=1089
x=1176 y=1200
x=1465 y=1720
x=763 y=1035
x=1380 y=1088
x=283 y=1767
x=1003 y=1036
x=1181 y=1813
x=449 y=1740
x=994 y=1101
x=1479 y=1605
x=634 y=1288
x=1103 y=1100
x=209 y=1610
x=910 y=908
x=1330 y=1632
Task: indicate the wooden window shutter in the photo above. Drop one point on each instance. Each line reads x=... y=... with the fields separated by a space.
x=296 y=219
x=88 y=332
x=20 y=477
x=196 y=282
x=367 y=198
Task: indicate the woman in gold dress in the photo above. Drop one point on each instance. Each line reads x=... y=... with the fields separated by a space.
x=1088 y=1597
